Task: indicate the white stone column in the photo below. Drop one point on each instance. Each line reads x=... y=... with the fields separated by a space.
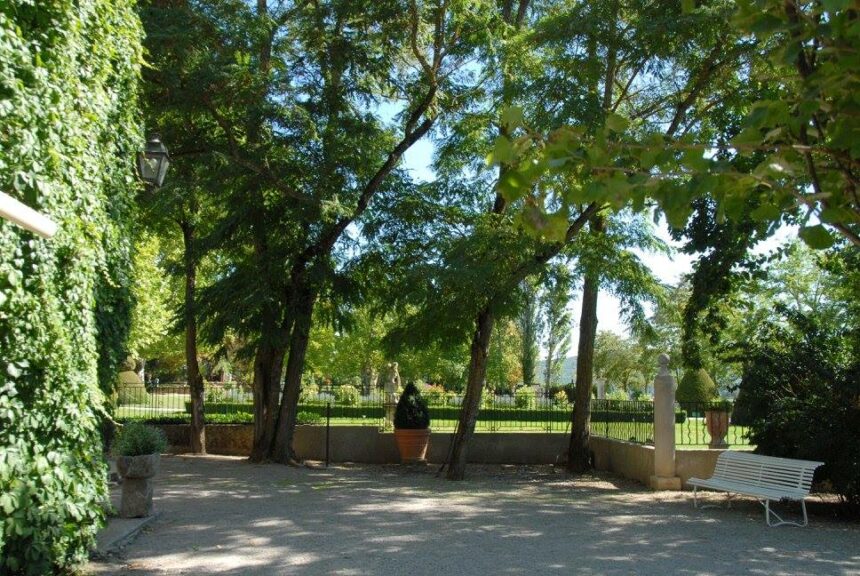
x=664 y=477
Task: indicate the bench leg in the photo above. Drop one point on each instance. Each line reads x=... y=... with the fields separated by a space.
x=695 y=497
x=779 y=521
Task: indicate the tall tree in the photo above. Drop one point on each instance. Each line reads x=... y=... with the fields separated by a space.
x=529 y=324
x=296 y=100
x=557 y=321
x=503 y=367
x=578 y=459
x=176 y=87
x=605 y=62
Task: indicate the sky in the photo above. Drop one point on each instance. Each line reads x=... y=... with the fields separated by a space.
x=669 y=269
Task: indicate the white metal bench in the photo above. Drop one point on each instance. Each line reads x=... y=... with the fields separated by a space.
x=765 y=478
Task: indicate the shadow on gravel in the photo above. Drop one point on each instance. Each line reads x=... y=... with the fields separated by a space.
x=226 y=516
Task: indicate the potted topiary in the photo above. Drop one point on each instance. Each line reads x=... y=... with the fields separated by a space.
x=138 y=451
x=697 y=393
x=412 y=425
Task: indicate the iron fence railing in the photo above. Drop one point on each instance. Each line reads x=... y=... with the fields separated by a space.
x=711 y=424
x=628 y=420
x=695 y=423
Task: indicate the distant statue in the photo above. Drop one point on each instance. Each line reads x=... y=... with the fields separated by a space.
x=392 y=379
x=390 y=387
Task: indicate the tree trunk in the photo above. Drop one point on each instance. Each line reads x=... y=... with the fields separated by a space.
x=472 y=398
x=283 y=451
x=550 y=357
x=195 y=379
x=268 y=365
x=578 y=460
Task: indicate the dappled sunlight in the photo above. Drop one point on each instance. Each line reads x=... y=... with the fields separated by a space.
x=261 y=520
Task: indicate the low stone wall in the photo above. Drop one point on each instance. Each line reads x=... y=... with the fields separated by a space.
x=636 y=461
x=369 y=444
x=695 y=463
x=628 y=459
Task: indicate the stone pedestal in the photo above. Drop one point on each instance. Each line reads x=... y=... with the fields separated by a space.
x=137 y=473
x=389 y=405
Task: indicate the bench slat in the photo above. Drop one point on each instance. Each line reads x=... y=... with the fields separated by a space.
x=763 y=476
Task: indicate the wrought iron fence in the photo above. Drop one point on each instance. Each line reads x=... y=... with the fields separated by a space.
x=523 y=412
x=628 y=420
x=711 y=425
x=697 y=424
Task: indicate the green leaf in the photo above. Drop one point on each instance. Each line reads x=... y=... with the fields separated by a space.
x=616 y=122
x=512 y=186
x=512 y=117
x=836 y=215
x=817 y=237
x=12 y=370
x=688 y=6
x=503 y=151
x=835 y=5
x=766 y=212
x=695 y=160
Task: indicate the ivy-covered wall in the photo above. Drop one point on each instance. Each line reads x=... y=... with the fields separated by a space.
x=68 y=135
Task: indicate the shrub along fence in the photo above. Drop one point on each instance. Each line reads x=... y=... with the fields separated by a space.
x=627 y=420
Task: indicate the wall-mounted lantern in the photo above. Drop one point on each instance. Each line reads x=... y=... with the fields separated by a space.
x=153 y=161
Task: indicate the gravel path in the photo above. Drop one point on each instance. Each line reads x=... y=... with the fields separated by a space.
x=222 y=515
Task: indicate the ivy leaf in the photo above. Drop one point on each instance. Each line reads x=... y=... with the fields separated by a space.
x=12 y=370
x=817 y=237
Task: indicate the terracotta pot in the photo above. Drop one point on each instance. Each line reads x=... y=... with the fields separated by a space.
x=412 y=444
x=717 y=422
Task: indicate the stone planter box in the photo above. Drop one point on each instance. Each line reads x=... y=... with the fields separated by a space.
x=137 y=473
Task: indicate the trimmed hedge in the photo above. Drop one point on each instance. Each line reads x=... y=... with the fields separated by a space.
x=612 y=414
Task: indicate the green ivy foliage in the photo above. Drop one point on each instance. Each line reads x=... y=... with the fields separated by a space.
x=68 y=134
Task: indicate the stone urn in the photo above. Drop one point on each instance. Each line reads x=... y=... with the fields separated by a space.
x=137 y=473
x=412 y=444
x=717 y=422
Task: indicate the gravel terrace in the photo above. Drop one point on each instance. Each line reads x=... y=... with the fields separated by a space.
x=222 y=515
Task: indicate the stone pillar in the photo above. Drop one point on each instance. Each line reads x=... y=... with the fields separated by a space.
x=664 y=477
